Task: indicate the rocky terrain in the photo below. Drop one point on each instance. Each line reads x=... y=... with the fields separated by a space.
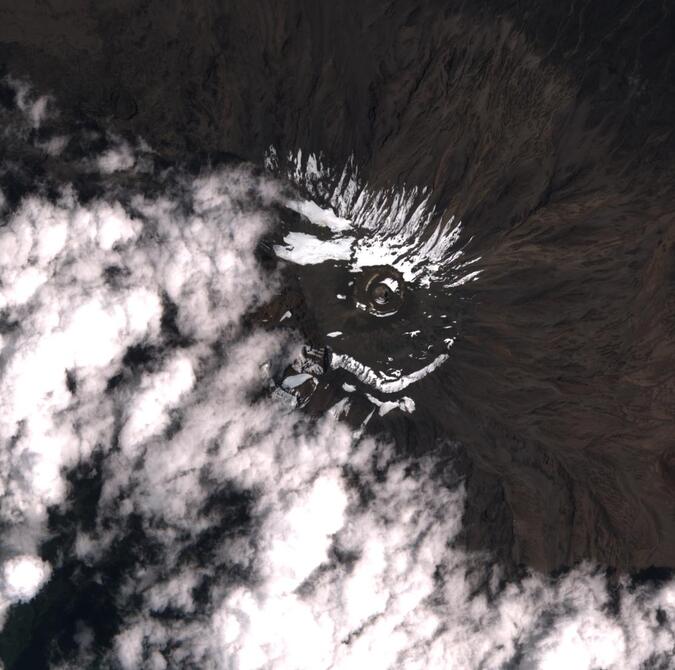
x=546 y=128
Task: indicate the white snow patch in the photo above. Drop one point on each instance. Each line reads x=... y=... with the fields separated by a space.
x=305 y=249
x=319 y=216
x=391 y=283
x=405 y=404
x=293 y=381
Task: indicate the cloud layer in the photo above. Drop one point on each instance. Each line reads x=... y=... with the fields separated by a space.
x=243 y=535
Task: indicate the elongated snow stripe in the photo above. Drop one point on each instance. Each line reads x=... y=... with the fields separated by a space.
x=373 y=379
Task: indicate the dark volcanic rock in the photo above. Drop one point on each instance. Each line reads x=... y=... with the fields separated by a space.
x=549 y=132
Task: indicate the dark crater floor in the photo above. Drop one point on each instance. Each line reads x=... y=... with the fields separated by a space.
x=547 y=128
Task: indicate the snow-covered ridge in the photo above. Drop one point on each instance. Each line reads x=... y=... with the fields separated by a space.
x=380 y=381
x=395 y=226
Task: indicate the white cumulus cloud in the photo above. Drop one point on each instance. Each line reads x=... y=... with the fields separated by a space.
x=243 y=536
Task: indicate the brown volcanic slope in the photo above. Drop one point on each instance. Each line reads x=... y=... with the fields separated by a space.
x=547 y=128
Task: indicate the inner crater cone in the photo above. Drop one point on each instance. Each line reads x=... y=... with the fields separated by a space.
x=380 y=291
